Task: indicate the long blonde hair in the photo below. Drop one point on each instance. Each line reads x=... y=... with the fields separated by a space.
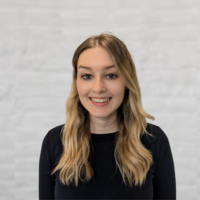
x=132 y=158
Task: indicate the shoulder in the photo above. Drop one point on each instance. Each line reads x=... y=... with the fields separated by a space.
x=55 y=132
x=159 y=144
x=158 y=139
x=54 y=135
x=54 y=142
x=157 y=133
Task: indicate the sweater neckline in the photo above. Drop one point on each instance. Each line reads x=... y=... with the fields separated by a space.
x=103 y=135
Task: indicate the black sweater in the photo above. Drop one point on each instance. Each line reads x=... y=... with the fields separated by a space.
x=160 y=182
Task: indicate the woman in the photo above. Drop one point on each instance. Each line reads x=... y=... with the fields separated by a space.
x=106 y=149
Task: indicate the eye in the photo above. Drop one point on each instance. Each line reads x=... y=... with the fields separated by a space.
x=115 y=76
x=86 y=76
x=112 y=75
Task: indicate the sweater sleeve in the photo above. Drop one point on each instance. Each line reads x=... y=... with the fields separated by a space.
x=46 y=181
x=164 y=180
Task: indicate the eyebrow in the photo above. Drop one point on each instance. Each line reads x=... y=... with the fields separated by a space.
x=84 y=67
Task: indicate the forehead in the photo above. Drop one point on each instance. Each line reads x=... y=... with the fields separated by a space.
x=97 y=56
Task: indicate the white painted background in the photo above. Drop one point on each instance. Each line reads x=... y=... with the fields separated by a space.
x=37 y=41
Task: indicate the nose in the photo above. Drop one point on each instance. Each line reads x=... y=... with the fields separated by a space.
x=98 y=85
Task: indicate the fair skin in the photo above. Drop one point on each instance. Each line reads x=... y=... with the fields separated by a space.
x=99 y=82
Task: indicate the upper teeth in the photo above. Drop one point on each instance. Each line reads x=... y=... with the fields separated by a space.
x=100 y=100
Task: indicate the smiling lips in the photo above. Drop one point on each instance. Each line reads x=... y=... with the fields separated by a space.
x=100 y=97
x=100 y=100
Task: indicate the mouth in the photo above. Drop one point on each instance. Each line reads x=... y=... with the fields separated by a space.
x=105 y=98
x=100 y=104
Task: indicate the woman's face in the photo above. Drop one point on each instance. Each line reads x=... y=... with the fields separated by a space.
x=97 y=81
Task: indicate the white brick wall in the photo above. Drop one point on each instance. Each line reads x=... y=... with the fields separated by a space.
x=37 y=42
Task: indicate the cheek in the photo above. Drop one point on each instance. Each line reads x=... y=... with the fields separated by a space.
x=82 y=89
x=118 y=89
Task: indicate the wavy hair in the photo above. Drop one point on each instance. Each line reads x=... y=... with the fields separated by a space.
x=132 y=158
